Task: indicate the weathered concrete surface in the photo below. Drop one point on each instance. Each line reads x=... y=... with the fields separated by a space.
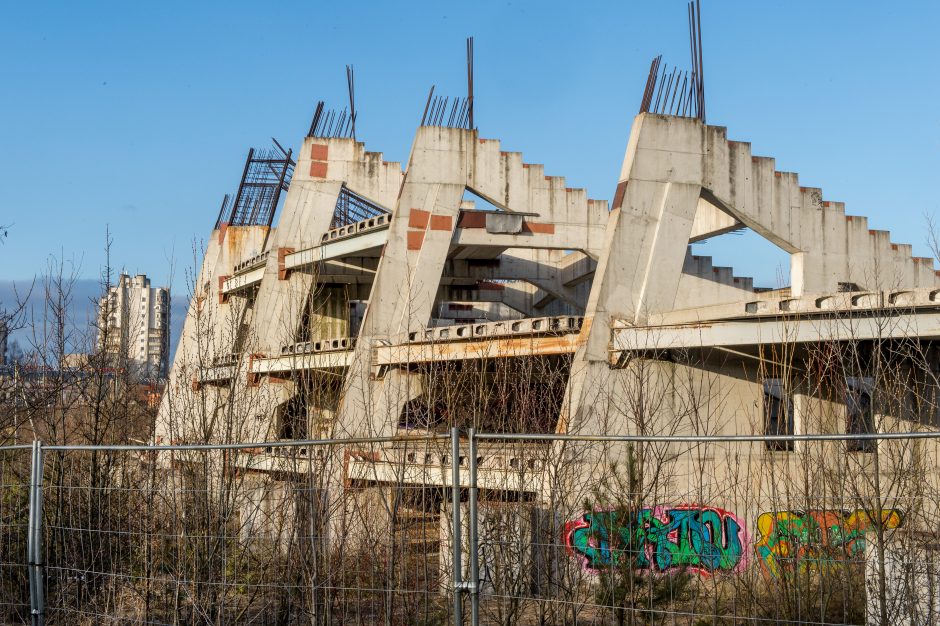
x=438 y=260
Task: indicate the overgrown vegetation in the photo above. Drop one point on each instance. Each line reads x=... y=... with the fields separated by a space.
x=668 y=530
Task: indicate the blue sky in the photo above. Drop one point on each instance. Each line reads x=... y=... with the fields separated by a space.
x=138 y=116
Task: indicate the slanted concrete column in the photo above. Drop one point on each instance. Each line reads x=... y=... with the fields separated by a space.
x=407 y=278
x=324 y=166
x=281 y=300
x=210 y=330
x=640 y=268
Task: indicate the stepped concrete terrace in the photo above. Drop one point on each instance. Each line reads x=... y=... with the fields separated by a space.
x=330 y=326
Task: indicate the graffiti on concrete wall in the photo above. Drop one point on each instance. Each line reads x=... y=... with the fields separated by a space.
x=659 y=539
x=799 y=540
x=710 y=540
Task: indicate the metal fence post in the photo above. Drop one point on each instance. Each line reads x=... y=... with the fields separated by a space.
x=34 y=537
x=474 y=538
x=456 y=534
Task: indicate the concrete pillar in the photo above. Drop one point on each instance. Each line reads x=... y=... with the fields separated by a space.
x=639 y=271
x=407 y=278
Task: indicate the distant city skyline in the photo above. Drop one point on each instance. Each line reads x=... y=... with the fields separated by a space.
x=81 y=312
x=136 y=118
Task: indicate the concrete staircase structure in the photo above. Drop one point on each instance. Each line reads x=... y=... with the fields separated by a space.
x=362 y=311
x=684 y=181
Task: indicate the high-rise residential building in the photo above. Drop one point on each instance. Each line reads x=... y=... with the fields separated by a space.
x=134 y=324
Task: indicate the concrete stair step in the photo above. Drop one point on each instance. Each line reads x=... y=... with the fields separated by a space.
x=724 y=275
x=519 y=179
x=756 y=174
x=702 y=265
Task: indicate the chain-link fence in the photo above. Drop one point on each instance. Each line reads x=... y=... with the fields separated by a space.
x=553 y=530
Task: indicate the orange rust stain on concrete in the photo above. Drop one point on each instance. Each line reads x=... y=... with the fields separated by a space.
x=585 y=328
x=491 y=349
x=238 y=237
x=235 y=242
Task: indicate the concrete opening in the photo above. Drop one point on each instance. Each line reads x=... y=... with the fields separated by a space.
x=326 y=315
x=291 y=418
x=860 y=413
x=778 y=414
x=744 y=258
x=513 y=395
x=473 y=201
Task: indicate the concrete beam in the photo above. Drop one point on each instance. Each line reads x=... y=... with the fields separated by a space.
x=524 y=337
x=774 y=304
x=515 y=480
x=547 y=237
x=251 y=278
x=302 y=362
x=483 y=349
x=923 y=326
x=357 y=246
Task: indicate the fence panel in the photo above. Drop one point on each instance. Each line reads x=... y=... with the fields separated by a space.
x=578 y=531
x=273 y=534
x=14 y=520
x=569 y=531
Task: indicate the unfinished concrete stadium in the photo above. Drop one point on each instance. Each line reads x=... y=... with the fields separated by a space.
x=470 y=289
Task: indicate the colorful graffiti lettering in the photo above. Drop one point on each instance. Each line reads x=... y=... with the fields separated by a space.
x=790 y=541
x=701 y=539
